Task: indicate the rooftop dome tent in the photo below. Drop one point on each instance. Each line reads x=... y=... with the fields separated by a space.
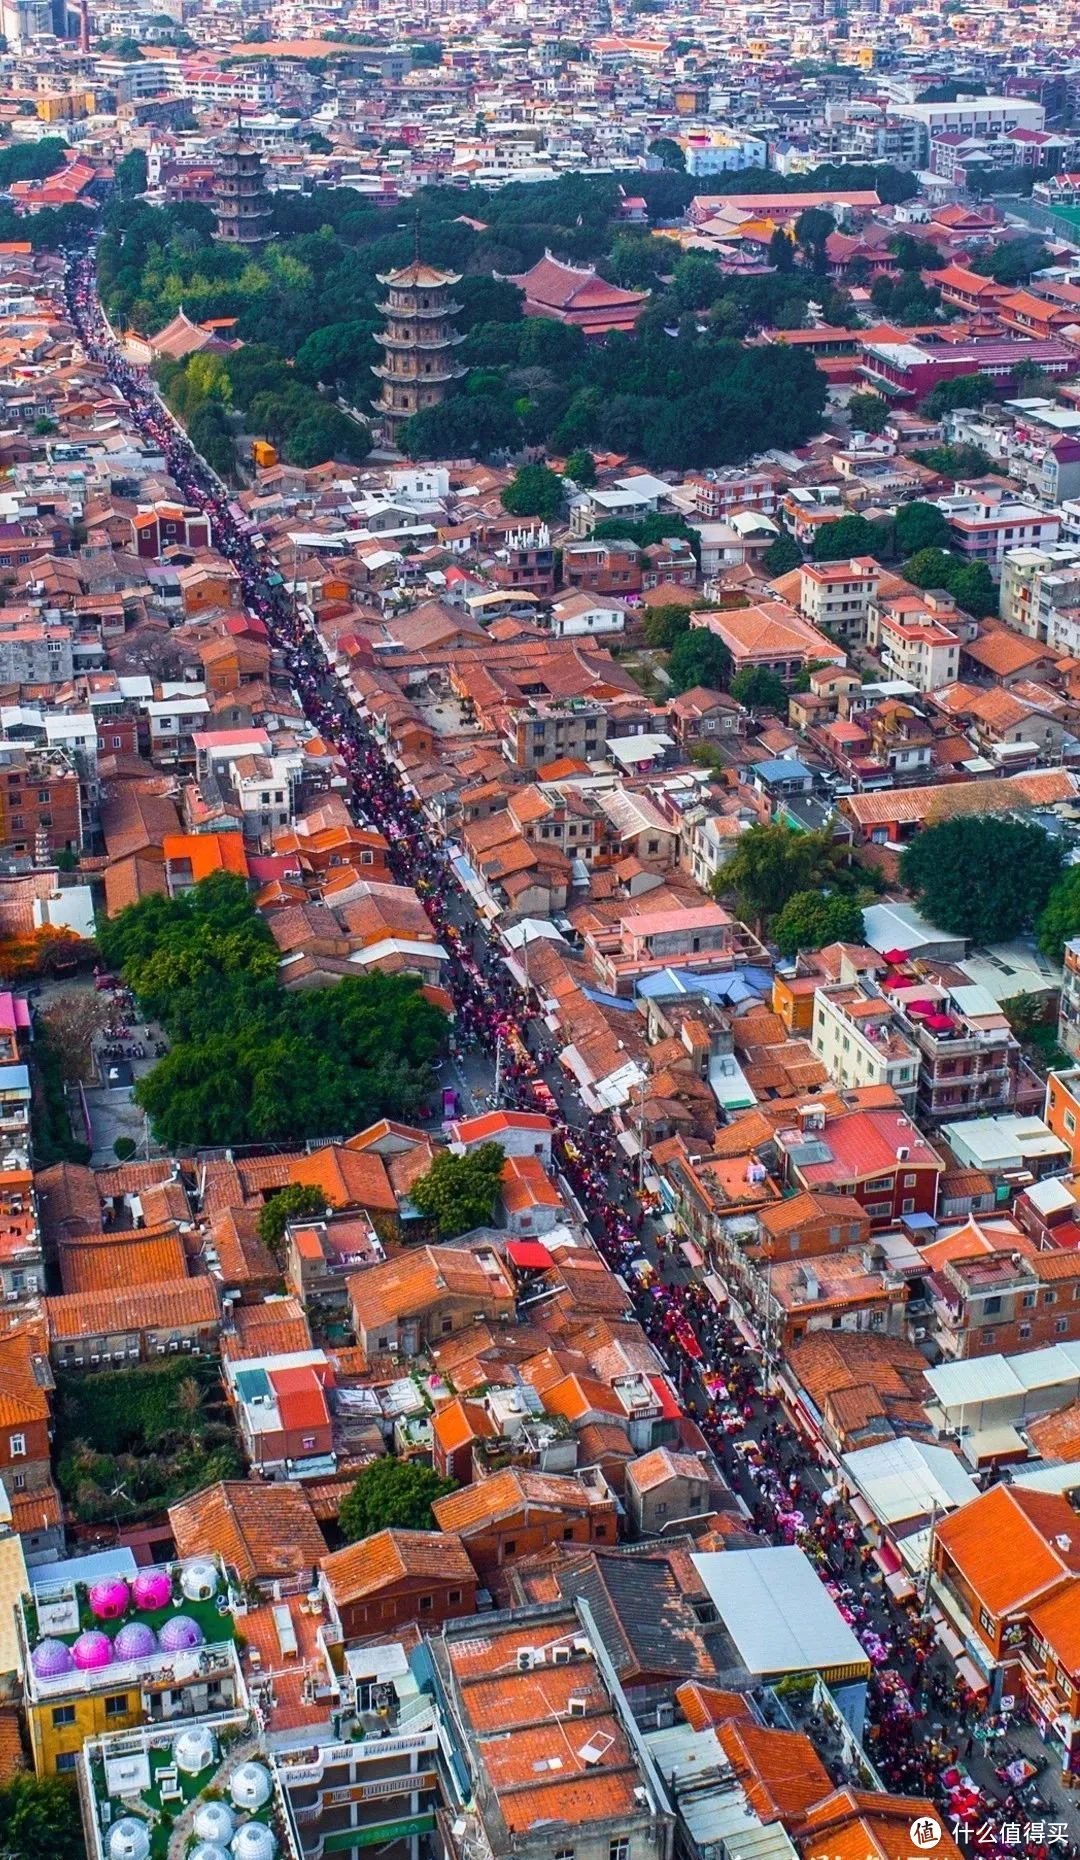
x=254 y=1842
x=251 y=1786
x=194 y=1749
x=128 y=1840
x=214 y=1822
x=199 y=1579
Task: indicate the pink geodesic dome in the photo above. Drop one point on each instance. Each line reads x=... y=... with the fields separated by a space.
x=152 y=1588
x=91 y=1650
x=179 y=1634
x=135 y=1640
x=109 y=1599
x=51 y=1658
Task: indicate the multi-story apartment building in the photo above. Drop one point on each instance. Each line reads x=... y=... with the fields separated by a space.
x=1036 y=586
x=35 y=652
x=838 y=595
x=857 y=1039
x=985 y=525
x=1005 y=1303
x=40 y=802
x=81 y=1682
x=548 y=730
x=969 y=1059
x=718 y=493
x=1069 y=1010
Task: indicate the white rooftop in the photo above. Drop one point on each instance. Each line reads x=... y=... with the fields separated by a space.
x=905 y=1478
x=777 y=1611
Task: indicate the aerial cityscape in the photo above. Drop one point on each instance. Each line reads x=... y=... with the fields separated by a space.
x=539 y=930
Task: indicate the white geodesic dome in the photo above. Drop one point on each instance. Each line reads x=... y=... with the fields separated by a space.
x=250 y=1786
x=128 y=1840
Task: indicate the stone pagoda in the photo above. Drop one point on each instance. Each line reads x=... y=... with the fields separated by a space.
x=417 y=343
x=240 y=199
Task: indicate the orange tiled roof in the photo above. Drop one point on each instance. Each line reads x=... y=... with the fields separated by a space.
x=262 y=1531
x=390 y=1557
x=1013 y=1546
x=111 y=1261
x=175 y=1304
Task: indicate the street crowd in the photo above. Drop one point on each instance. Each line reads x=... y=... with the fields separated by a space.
x=923 y=1723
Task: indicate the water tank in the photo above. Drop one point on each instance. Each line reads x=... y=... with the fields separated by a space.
x=199 y=1579
x=214 y=1821
x=128 y=1840
x=208 y=1850
x=250 y=1786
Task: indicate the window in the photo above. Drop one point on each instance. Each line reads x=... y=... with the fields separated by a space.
x=910 y=1181
x=992 y=1305
x=308 y=1443
x=426 y=1604
x=1049 y=1298
x=117 y=1705
x=907 y=1206
x=62 y=1714
x=1028 y=1300
x=510 y=1546
x=453 y=1596
x=1024 y=1331
x=986 y=1621
x=619 y=1848
x=65 y=1762
x=564 y=1853
x=1061 y=1325
x=17 y=1445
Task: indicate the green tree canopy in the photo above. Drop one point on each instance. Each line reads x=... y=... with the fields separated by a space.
x=534 y=491
x=782 y=556
x=39 y=1819
x=663 y=624
x=980 y=876
x=1060 y=916
x=759 y=689
x=668 y=154
x=962 y=391
x=699 y=657
x=296 y=1201
x=811 y=920
x=247 y=1062
x=920 y=526
x=769 y=865
x=868 y=413
x=458 y=1192
x=839 y=541
x=391 y=1495
x=581 y=467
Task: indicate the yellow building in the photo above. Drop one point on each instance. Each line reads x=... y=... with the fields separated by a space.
x=87 y=1671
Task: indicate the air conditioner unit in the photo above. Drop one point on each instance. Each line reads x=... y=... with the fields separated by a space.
x=525 y=1659
x=118 y=1356
x=95 y=1359
x=173 y=1345
x=159 y=1349
x=186 y=1343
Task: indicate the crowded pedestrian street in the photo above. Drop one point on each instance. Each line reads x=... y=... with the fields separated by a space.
x=927 y=1734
